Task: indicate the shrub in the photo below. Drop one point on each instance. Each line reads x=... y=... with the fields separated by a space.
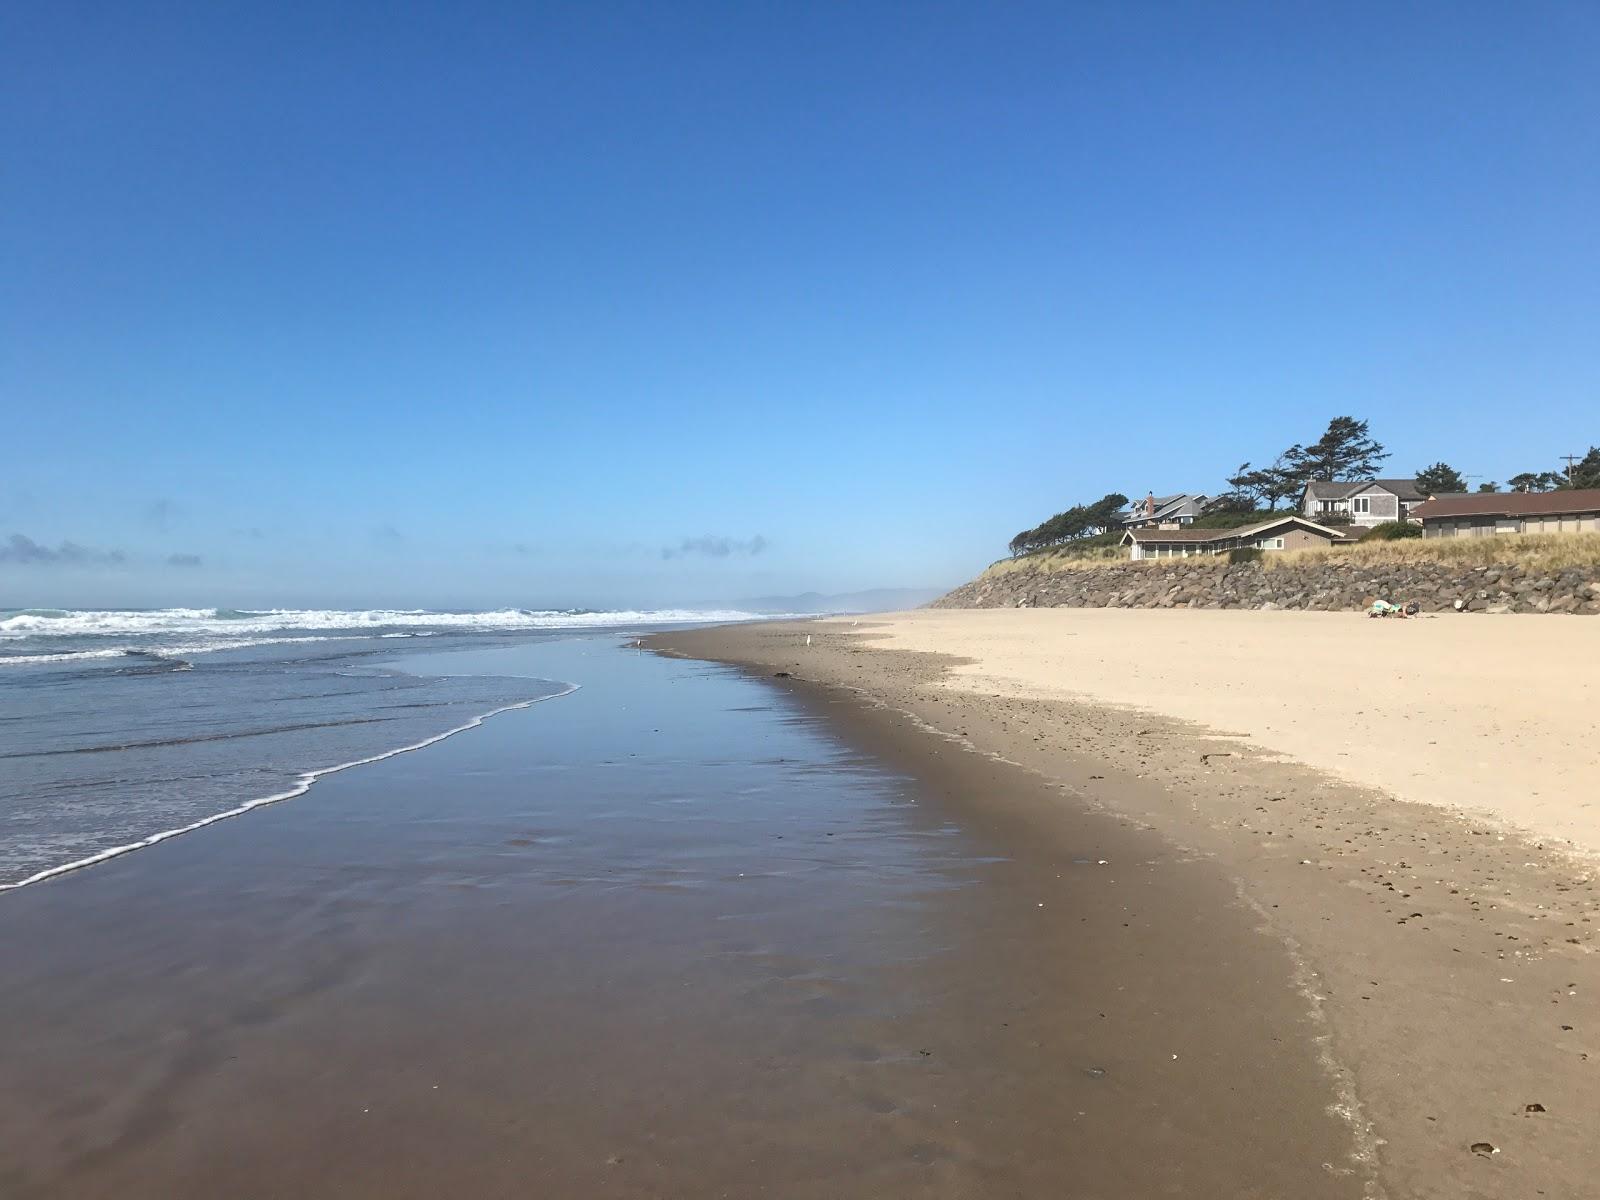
x=1244 y=554
x=1393 y=531
x=1234 y=520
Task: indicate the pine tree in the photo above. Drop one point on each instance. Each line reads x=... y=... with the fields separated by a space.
x=1345 y=451
x=1439 y=478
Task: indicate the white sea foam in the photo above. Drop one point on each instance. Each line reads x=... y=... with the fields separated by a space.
x=34 y=623
x=68 y=656
x=301 y=786
x=164 y=651
x=165 y=631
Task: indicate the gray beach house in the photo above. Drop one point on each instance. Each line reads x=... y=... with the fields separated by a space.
x=1366 y=502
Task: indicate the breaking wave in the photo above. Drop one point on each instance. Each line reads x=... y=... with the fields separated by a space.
x=39 y=635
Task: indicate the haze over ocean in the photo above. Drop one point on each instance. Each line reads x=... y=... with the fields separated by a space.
x=632 y=306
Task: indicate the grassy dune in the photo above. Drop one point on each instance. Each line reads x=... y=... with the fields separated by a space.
x=1543 y=552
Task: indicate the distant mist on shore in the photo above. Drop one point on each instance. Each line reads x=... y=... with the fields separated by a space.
x=872 y=600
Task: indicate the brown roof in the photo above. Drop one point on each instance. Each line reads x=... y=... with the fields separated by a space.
x=1148 y=533
x=1510 y=504
x=1201 y=536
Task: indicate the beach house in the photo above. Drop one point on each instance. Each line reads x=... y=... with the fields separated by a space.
x=1366 y=502
x=1178 y=509
x=1287 y=532
x=1576 y=510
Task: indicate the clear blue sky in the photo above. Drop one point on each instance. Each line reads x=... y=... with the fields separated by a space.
x=472 y=304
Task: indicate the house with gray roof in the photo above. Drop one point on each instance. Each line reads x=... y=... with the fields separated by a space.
x=1178 y=509
x=1367 y=502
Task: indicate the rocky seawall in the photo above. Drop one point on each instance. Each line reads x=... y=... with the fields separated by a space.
x=1324 y=586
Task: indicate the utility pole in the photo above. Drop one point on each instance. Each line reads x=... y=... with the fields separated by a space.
x=1570 y=459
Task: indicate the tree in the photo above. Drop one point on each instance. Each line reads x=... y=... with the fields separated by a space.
x=1344 y=451
x=1267 y=485
x=1490 y=487
x=1229 y=504
x=1585 y=472
x=1072 y=525
x=1064 y=526
x=1536 y=481
x=1440 y=477
x=1105 y=512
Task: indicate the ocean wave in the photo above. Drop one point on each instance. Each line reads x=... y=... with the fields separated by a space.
x=45 y=623
x=175 y=653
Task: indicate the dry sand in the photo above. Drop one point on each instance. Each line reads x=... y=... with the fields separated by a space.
x=1448 y=959
x=1497 y=716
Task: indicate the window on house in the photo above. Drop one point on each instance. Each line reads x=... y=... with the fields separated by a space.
x=1361 y=504
x=1270 y=544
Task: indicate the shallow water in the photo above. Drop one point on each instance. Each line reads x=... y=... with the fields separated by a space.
x=118 y=727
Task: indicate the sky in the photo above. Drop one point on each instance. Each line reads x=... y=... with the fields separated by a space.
x=614 y=304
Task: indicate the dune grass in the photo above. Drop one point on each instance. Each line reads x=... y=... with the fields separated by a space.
x=1531 y=551
x=1543 y=552
x=1058 y=559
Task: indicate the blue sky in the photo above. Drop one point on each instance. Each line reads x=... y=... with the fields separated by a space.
x=480 y=304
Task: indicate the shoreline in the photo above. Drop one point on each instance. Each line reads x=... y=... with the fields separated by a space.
x=1451 y=959
x=679 y=935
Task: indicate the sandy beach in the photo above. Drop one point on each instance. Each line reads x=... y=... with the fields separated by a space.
x=1492 y=717
x=1406 y=808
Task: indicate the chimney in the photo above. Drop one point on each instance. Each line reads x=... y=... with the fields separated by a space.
x=1150 y=504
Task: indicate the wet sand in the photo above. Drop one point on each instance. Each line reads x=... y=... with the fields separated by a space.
x=1450 y=959
x=681 y=933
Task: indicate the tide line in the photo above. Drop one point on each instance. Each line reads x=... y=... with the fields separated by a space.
x=301 y=787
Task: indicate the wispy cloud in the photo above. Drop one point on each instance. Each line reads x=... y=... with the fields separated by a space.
x=184 y=560
x=19 y=548
x=712 y=546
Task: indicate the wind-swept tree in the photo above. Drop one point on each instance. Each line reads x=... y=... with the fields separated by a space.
x=1078 y=522
x=1105 y=513
x=1439 y=478
x=1231 y=503
x=1488 y=488
x=1267 y=485
x=1345 y=451
x=1064 y=526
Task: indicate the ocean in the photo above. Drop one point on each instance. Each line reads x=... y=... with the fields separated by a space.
x=121 y=728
